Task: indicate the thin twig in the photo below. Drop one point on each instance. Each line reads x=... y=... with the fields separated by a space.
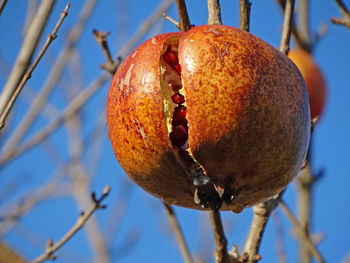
x=79 y=183
x=300 y=231
x=304 y=25
x=262 y=213
x=345 y=20
x=24 y=57
x=221 y=255
x=52 y=78
x=287 y=26
x=9 y=151
x=101 y=39
x=144 y=27
x=70 y=110
x=279 y=244
x=83 y=218
x=52 y=36
x=214 y=12
x=184 y=20
x=171 y=20
x=2 y=5
x=244 y=14
x=180 y=239
x=304 y=183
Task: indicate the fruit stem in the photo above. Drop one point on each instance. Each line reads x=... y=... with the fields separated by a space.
x=184 y=20
x=214 y=11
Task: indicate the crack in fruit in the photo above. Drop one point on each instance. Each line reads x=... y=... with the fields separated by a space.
x=206 y=193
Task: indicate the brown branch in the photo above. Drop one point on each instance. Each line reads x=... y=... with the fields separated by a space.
x=345 y=20
x=214 y=12
x=287 y=26
x=52 y=36
x=10 y=151
x=173 y=21
x=144 y=27
x=101 y=39
x=221 y=255
x=79 y=183
x=180 y=239
x=2 y=5
x=262 y=213
x=304 y=183
x=7 y=254
x=304 y=25
x=301 y=233
x=184 y=20
x=244 y=14
x=83 y=218
x=52 y=78
x=25 y=54
x=70 y=110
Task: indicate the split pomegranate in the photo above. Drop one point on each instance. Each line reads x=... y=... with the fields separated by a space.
x=212 y=117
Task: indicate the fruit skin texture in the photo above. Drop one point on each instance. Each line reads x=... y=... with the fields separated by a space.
x=314 y=80
x=247 y=111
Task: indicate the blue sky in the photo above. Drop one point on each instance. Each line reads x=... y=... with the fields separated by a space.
x=144 y=218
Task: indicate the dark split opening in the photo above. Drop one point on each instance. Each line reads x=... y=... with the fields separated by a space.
x=179 y=134
x=174 y=101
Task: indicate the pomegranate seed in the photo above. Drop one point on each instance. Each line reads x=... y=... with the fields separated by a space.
x=177 y=67
x=170 y=57
x=174 y=87
x=178 y=98
x=179 y=116
x=180 y=112
x=178 y=136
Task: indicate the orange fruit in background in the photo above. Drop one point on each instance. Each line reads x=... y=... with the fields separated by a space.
x=212 y=117
x=314 y=80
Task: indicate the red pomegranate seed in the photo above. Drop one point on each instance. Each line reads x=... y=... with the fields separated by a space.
x=177 y=67
x=178 y=136
x=174 y=87
x=170 y=57
x=178 y=98
x=179 y=116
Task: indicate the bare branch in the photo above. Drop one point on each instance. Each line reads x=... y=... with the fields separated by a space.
x=244 y=14
x=304 y=22
x=221 y=255
x=9 y=151
x=80 y=181
x=70 y=110
x=101 y=39
x=214 y=11
x=52 y=79
x=52 y=36
x=262 y=213
x=2 y=5
x=345 y=20
x=304 y=183
x=184 y=20
x=300 y=231
x=180 y=239
x=7 y=254
x=83 y=218
x=173 y=21
x=287 y=26
x=24 y=57
x=144 y=27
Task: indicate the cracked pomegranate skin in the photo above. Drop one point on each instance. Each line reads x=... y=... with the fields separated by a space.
x=247 y=111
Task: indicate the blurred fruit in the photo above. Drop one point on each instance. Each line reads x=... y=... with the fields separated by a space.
x=211 y=117
x=314 y=80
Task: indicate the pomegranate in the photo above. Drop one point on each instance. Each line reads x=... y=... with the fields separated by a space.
x=212 y=117
x=314 y=80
